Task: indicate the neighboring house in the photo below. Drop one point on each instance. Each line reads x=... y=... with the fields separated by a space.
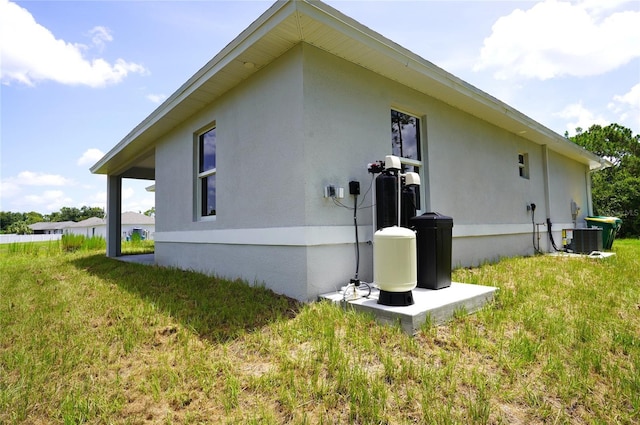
x=50 y=227
x=94 y=226
x=304 y=98
x=141 y=224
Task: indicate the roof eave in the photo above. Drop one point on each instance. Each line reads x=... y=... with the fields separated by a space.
x=407 y=68
x=226 y=55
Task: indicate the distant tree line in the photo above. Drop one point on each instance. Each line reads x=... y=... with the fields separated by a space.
x=615 y=190
x=17 y=222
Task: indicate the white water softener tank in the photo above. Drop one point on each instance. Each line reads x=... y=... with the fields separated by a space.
x=395 y=268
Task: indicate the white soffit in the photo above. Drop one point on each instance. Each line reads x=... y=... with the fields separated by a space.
x=288 y=23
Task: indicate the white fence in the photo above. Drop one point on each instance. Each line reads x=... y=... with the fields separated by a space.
x=28 y=238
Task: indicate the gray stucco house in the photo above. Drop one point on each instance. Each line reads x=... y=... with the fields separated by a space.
x=302 y=99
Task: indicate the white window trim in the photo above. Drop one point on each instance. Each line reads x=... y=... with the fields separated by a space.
x=199 y=183
x=411 y=162
x=202 y=175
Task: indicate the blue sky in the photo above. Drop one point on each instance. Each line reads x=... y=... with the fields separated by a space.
x=77 y=76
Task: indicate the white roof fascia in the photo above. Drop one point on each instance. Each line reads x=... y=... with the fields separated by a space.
x=229 y=53
x=376 y=41
x=472 y=100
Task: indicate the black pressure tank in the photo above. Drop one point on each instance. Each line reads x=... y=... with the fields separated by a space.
x=433 y=244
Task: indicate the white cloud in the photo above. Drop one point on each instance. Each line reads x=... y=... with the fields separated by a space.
x=9 y=188
x=135 y=197
x=139 y=204
x=100 y=35
x=627 y=108
x=598 y=7
x=98 y=199
x=30 y=178
x=51 y=200
x=12 y=187
x=558 y=38
x=90 y=157
x=30 y=53
x=631 y=98
x=156 y=98
x=32 y=191
x=579 y=116
x=127 y=193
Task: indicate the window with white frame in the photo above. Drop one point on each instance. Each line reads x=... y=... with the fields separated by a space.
x=406 y=143
x=207 y=173
x=523 y=165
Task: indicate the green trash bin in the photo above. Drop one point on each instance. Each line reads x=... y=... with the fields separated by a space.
x=609 y=226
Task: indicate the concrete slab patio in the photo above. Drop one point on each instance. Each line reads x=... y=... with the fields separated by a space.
x=595 y=254
x=147 y=259
x=439 y=304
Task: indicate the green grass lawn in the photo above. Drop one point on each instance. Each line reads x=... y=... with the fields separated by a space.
x=87 y=339
x=73 y=243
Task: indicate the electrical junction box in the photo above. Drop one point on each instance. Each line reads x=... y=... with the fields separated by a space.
x=332 y=191
x=354 y=188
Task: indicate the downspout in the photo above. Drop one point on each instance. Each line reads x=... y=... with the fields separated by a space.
x=587 y=177
x=425 y=187
x=547 y=189
x=547 y=198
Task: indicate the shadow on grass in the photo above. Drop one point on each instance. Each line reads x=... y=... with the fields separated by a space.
x=216 y=309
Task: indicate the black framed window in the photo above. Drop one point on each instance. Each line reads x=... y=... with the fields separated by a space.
x=405 y=135
x=207 y=172
x=406 y=144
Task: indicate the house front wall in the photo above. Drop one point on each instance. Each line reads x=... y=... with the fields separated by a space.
x=310 y=119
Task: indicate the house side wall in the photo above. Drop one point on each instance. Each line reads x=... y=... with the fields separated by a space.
x=280 y=268
x=346 y=121
x=568 y=183
x=258 y=151
x=260 y=178
x=475 y=179
x=311 y=119
x=474 y=170
x=347 y=127
x=471 y=169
